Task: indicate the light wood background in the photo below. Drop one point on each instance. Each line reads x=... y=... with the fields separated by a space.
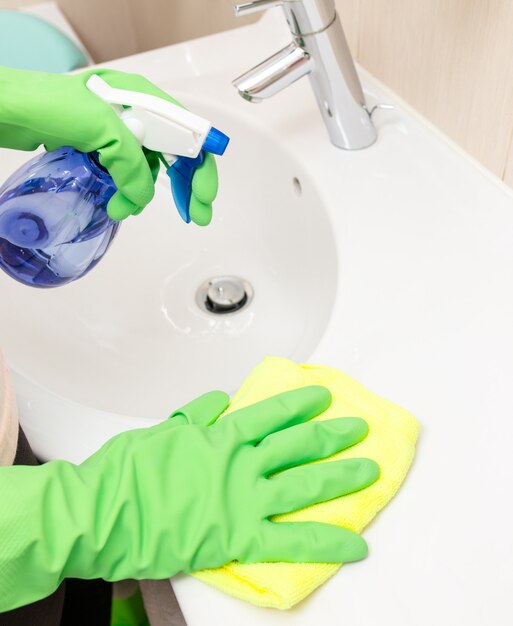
x=451 y=59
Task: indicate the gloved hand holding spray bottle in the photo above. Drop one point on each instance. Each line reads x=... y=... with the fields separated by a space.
x=54 y=223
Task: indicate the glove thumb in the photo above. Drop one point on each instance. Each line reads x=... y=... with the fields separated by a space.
x=203 y=411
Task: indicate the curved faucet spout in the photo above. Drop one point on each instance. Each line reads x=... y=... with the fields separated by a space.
x=274 y=74
x=319 y=50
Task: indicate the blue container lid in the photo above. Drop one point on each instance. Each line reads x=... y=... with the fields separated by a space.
x=216 y=142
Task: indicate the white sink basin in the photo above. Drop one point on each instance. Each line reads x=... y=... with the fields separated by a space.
x=394 y=264
x=131 y=339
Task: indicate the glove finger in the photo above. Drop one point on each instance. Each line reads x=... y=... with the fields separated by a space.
x=120 y=207
x=258 y=420
x=127 y=164
x=153 y=163
x=202 y=411
x=304 y=486
x=201 y=214
x=205 y=183
x=307 y=542
x=133 y=172
x=310 y=442
x=133 y=82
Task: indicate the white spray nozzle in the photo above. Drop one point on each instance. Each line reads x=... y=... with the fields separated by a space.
x=156 y=123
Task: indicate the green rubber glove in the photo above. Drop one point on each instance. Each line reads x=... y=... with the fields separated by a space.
x=58 y=110
x=180 y=498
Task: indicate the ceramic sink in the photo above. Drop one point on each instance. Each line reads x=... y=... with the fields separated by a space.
x=132 y=338
x=393 y=264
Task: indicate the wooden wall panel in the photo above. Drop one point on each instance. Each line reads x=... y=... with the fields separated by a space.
x=16 y=4
x=107 y=27
x=450 y=59
x=165 y=21
x=115 y=28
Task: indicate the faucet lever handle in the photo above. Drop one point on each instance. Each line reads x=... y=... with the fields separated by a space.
x=246 y=8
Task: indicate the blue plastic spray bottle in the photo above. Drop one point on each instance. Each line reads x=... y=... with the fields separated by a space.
x=54 y=226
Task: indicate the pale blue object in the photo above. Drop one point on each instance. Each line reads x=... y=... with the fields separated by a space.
x=29 y=43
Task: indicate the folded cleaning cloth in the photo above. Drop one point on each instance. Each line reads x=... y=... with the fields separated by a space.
x=391 y=443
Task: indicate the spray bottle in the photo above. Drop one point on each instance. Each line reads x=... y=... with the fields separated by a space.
x=54 y=226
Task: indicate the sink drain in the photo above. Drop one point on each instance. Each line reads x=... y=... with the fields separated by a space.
x=224 y=294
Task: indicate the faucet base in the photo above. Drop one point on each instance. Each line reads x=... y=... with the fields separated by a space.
x=338 y=90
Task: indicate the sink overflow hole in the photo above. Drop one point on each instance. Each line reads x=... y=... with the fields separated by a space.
x=296 y=185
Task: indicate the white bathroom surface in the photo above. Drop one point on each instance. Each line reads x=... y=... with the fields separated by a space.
x=421 y=313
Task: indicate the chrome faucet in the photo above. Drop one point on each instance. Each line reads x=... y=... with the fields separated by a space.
x=320 y=51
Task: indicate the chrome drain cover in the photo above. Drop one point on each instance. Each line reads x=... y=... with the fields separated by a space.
x=224 y=294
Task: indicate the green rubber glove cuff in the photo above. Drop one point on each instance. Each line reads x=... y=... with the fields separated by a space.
x=30 y=537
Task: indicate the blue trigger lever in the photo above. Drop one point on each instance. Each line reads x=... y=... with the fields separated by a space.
x=183 y=169
x=181 y=174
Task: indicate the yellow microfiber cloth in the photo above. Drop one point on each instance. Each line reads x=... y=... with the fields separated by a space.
x=391 y=443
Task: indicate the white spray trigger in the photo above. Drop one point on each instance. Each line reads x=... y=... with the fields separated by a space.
x=156 y=123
